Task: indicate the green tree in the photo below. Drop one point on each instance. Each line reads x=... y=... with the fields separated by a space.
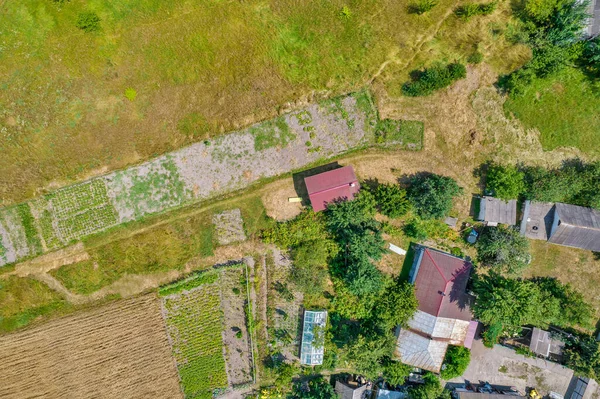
x=396 y=306
x=505 y=182
x=317 y=388
x=432 y=195
x=395 y=372
x=430 y=389
x=366 y=352
x=583 y=356
x=503 y=248
x=513 y=303
x=455 y=362
x=391 y=200
x=575 y=311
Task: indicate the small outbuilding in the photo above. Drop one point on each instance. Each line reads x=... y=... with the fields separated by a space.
x=350 y=389
x=495 y=211
x=327 y=187
x=544 y=345
x=576 y=226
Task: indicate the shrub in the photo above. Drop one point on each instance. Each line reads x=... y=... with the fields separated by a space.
x=130 y=94
x=345 y=12
x=491 y=335
x=456 y=361
x=88 y=21
x=422 y=6
x=432 y=195
x=505 y=182
x=391 y=200
x=475 y=58
x=317 y=388
x=395 y=372
x=472 y=9
x=434 y=78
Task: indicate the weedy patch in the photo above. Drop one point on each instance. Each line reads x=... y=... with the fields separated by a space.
x=148 y=188
x=273 y=133
x=229 y=227
x=401 y=133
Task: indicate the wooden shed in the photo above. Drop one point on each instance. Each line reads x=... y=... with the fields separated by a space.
x=576 y=226
x=495 y=211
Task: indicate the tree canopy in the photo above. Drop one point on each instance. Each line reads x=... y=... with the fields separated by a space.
x=505 y=181
x=317 y=388
x=432 y=195
x=455 y=362
x=503 y=248
x=391 y=200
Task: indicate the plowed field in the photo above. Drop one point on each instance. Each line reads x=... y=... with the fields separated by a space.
x=115 y=351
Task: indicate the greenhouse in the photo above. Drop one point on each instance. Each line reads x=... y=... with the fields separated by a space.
x=313 y=337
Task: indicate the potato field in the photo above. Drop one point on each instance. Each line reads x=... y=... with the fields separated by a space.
x=194 y=324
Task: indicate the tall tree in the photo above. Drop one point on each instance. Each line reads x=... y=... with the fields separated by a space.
x=503 y=248
x=432 y=195
x=505 y=181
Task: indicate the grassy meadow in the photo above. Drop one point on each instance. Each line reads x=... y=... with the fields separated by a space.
x=564 y=108
x=154 y=76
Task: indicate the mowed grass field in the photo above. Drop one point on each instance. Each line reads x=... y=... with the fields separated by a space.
x=119 y=350
x=197 y=69
x=564 y=107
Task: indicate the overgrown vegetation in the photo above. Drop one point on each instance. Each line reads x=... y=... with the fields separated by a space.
x=504 y=181
x=469 y=10
x=391 y=200
x=505 y=304
x=436 y=77
x=456 y=362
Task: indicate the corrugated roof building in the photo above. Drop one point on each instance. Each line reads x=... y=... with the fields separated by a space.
x=576 y=226
x=495 y=211
x=330 y=186
x=443 y=317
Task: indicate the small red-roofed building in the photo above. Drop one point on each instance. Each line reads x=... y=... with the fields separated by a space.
x=443 y=317
x=334 y=185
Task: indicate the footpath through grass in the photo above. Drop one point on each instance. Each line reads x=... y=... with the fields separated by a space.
x=564 y=107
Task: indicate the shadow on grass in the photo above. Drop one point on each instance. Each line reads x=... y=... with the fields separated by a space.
x=299 y=177
x=408 y=261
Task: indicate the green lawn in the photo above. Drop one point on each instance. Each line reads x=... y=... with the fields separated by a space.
x=564 y=107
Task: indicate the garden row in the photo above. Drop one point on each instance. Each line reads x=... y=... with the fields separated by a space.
x=200 y=171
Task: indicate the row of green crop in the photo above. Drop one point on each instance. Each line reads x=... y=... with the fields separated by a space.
x=194 y=324
x=195 y=280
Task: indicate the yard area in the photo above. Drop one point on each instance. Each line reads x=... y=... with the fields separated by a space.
x=575 y=266
x=564 y=108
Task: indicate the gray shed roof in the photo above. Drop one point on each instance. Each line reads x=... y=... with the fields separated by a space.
x=540 y=342
x=576 y=226
x=537 y=220
x=349 y=392
x=495 y=210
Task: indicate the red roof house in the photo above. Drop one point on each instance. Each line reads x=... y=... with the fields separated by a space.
x=443 y=317
x=327 y=187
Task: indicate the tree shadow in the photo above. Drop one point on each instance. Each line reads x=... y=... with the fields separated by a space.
x=298 y=178
x=480 y=173
x=406 y=179
x=596 y=255
x=370 y=184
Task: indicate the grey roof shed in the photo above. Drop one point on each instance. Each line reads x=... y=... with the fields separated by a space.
x=576 y=226
x=494 y=211
x=349 y=391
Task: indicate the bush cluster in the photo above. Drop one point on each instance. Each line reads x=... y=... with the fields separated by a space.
x=472 y=9
x=434 y=78
x=432 y=195
x=88 y=22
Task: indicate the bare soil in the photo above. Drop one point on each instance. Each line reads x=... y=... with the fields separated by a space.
x=115 y=351
x=235 y=333
x=275 y=200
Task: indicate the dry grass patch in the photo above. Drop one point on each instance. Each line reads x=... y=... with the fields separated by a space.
x=115 y=351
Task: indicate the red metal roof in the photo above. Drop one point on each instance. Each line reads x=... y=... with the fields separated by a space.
x=440 y=285
x=329 y=186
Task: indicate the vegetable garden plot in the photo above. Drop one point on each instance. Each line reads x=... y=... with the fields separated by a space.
x=194 y=323
x=235 y=333
x=284 y=305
